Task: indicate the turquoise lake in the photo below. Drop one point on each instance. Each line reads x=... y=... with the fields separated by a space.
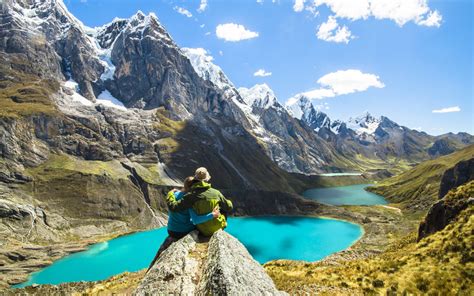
x=266 y=238
x=345 y=195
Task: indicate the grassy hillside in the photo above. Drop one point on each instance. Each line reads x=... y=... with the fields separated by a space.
x=440 y=264
x=417 y=188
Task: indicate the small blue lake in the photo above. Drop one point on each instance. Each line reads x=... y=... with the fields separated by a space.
x=266 y=238
x=345 y=195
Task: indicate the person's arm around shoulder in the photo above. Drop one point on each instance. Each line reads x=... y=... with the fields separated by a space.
x=178 y=205
x=198 y=219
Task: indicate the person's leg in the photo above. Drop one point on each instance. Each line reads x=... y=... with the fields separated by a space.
x=172 y=237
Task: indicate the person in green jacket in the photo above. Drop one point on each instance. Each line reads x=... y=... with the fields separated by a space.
x=202 y=198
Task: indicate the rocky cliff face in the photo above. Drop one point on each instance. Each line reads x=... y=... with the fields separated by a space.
x=220 y=267
x=461 y=173
x=453 y=200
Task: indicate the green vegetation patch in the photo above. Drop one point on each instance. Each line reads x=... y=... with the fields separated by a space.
x=418 y=187
x=23 y=94
x=440 y=264
x=62 y=165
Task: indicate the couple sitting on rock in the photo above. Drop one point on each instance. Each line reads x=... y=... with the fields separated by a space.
x=198 y=205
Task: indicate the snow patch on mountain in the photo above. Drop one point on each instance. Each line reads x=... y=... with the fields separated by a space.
x=259 y=96
x=299 y=107
x=73 y=88
x=365 y=123
x=107 y=99
x=202 y=63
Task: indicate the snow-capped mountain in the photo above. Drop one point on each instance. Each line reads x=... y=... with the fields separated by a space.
x=206 y=69
x=366 y=123
x=133 y=65
x=269 y=121
x=259 y=96
x=301 y=108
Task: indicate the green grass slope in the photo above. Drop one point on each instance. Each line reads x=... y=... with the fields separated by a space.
x=440 y=264
x=417 y=189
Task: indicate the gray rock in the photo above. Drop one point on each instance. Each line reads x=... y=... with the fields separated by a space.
x=174 y=273
x=226 y=268
x=231 y=270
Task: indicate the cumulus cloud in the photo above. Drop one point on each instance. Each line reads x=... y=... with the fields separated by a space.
x=341 y=82
x=262 y=73
x=348 y=81
x=234 y=32
x=399 y=11
x=202 y=6
x=298 y=5
x=331 y=31
x=447 y=110
x=183 y=11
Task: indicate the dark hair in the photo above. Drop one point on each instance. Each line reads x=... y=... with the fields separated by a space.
x=188 y=182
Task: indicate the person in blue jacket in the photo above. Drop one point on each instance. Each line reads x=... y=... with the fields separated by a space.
x=183 y=222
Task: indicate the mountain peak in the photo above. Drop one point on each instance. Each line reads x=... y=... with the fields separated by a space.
x=298 y=106
x=202 y=62
x=365 y=123
x=259 y=95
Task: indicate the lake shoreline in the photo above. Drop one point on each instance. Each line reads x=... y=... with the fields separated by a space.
x=372 y=240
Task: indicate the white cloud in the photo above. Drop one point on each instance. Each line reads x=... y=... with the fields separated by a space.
x=202 y=6
x=298 y=6
x=447 y=110
x=262 y=73
x=432 y=20
x=199 y=52
x=260 y=1
x=353 y=9
x=399 y=11
x=331 y=31
x=202 y=25
x=234 y=32
x=318 y=94
x=341 y=82
x=221 y=53
x=183 y=11
x=348 y=81
x=207 y=33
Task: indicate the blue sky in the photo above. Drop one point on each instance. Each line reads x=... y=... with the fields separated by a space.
x=408 y=62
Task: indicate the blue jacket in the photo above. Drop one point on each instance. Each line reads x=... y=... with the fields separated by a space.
x=185 y=221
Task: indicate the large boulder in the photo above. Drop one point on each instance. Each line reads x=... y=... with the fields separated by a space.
x=221 y=267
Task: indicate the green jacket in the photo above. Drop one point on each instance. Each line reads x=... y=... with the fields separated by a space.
x=203 y=199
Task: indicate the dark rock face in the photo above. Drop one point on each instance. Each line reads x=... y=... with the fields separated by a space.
x=447 y=209
x=461 y=173
x=441 y=147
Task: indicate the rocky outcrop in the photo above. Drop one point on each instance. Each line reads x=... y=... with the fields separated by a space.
x=221 y=267
x=447 y=209
x=461 y=173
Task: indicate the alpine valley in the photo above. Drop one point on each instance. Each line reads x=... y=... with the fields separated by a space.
x=97 y=124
